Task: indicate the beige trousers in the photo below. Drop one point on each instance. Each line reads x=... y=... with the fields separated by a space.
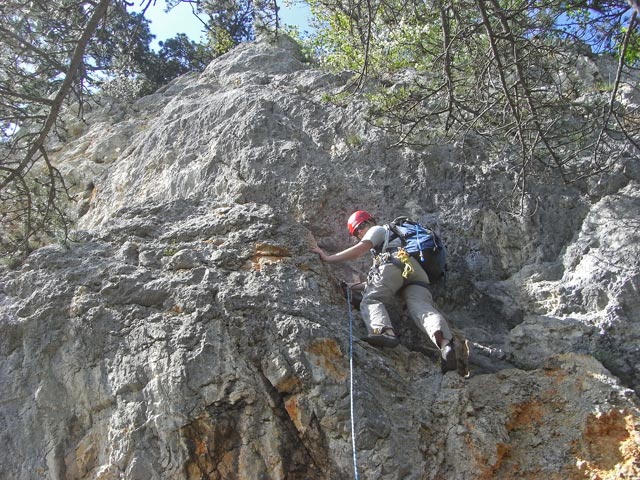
x=384 y=282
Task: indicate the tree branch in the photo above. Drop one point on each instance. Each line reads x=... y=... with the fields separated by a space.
x=75 y=64
x=22 y=96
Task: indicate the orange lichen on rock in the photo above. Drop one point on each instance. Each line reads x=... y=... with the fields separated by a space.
x=288 y=384
x=212 y=444
x=526 y=415
x=507 y=462
x=488 y=463
x=292 y=408
x=610 y=446
x=326 y=354
x=300 y=412
x=266 y=253
x=527 y=420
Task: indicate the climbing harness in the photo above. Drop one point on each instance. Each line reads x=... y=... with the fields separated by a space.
x=400 y=258
x=351 y=391
x=420 y=242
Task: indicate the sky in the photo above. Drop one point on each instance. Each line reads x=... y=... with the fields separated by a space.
x=181 y=20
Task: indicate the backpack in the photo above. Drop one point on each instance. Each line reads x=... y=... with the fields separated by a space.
x=421 y=243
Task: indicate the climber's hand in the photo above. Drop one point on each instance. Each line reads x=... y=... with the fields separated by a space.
x=320 y=252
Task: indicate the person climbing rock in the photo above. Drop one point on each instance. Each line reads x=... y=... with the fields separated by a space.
x=391 y=274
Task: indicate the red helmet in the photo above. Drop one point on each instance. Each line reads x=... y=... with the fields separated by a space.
x=356 y=219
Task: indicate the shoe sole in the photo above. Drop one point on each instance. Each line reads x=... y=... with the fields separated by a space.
x=382 y=341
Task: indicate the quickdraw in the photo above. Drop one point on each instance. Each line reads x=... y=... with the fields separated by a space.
x=404 y=258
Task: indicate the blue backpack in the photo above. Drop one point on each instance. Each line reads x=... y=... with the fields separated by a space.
x=423 y=244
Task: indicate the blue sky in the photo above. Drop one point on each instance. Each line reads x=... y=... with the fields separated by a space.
x=181 y=20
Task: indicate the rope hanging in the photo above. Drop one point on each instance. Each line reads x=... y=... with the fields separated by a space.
x=351 y=391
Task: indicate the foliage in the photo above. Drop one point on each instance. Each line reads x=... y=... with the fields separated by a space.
x=632 y=55
x=54 y=54
x=43 y=60
x=506 y=71
x=128 y=59
x=178 y=56
x=231 y=22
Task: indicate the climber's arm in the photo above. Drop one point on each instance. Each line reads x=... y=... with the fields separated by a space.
x=350 y=253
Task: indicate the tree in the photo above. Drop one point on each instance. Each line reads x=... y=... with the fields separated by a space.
x=502 y=71
x=178 y=56
x=231 y=22
x=55 y=53
x=42 y=54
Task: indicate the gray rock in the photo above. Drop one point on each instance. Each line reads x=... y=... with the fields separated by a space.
x=189 y=333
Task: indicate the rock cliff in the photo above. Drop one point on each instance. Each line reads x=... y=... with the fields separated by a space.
x=187 y=332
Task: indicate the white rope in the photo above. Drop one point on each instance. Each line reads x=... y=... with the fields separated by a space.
x=351 y=391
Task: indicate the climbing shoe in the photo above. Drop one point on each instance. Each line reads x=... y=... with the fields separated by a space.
x=382 y=337
x=448 y=361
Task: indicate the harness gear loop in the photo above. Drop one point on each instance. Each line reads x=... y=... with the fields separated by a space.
x=404 y=257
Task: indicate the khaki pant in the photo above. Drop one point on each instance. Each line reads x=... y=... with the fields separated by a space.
x=384 y=282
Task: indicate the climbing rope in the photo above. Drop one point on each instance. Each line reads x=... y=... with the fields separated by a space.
x=351 y=392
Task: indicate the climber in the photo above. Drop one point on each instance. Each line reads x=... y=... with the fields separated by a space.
x=387 y=277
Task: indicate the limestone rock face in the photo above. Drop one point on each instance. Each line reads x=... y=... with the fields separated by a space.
x=187 y=332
